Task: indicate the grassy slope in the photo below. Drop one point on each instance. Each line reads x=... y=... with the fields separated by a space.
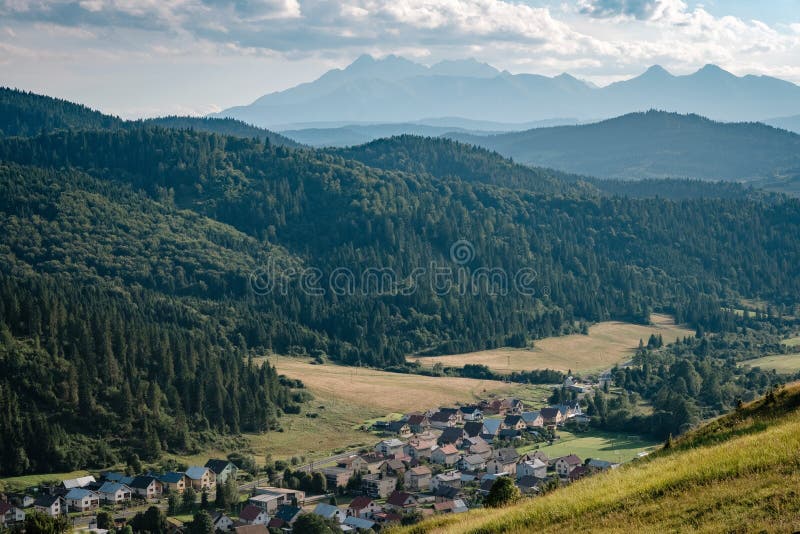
x=608 y=343
x=738 y=473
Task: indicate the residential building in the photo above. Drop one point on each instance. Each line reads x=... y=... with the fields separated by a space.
x=551 y=416
x=418 y=423
x=450 y=478
x=271 y=499
x=480 y=447
x=514 y=422
x=378 y=486
x=579 y=472
x=253 y=515
x=600 y=465
x=358 y=524
x=115 y=493
x=566 y=464
x=473 y=428
x=373 y=463
x=401 y=428
x=147 y=487
x=201 y=478
x=418 y=478
x=52 y=505
x=471 y=413
x=535 y=468
x=452 y=435
x=222 y=469
x=362 y=506
x=497 y=466
x=400 y=500
x=10 y=515
x=447 y=455
x=81 y=500
x=80 y=482
x=417 y=448
x=222 y=523
x=533 y=419
x=389 y=447
x=337 y=477
x=454 y=506
x=472 y=462
x=329 y=511
x=490 y=428
x=173 y=481
x=442 y=420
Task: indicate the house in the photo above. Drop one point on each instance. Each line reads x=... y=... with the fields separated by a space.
x=538 y=455
x=253 y=515
x=394 y=467
x=447 y=455
x=507 y=454
x=401 y=428
x=222 y=523
x=497 y=466
x=488 y=481
x=201 y=478
x=600 y=465
x=569 y=411
x=533 y=419
x=418 y=423
x=400 y=500
x=514 y=406
x=472 y=462
x=378 y=486
x=450 y=478
x=551 y=416
x=329 y=511
x=566 y=464
x=362 y=506
x=454 y=506
x=81 y=500
x=270 y=499
x=514 y=422
x=358 y=523
x=389 y=447
x=529 y=484
x=21 y=500
x=337 y=477
x=471 y=413
x=490 y=428
x=442 y=420
x=481 y=448
x=52 y=505
x=10 y=514
x=534 y=468
x=579 y=472
x=417 y=448
x=80 y=482
x=373 y=463
x=418 y=478
x=114 y=493
x=173 y=481
x=147 y=487
x=452 y=435
x=251 y=529
x=287 y=514
x=222 y=469
x=573 y=385
x=473 y=428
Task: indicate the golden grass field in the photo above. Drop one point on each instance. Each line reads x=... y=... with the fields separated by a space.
x=737 y=474
x=607 y=343
x=346 y=397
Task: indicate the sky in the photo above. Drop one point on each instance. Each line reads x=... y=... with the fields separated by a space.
x=141 y=58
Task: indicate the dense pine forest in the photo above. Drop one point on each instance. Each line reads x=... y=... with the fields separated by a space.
x=129 y=256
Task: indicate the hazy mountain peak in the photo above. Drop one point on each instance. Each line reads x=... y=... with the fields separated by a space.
x=656 y=71
x=470 y=68
x=710 y=69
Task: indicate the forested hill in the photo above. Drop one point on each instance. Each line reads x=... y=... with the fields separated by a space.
x=25 y=114
x=443 y=158
x=143 y=255
x=655 y=145
x=232 y=127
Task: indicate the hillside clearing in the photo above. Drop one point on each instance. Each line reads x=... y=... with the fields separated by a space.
x=607 y=344
x=782 y=363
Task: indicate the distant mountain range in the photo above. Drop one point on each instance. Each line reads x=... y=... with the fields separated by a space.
x=658 y=144
x=394 y=89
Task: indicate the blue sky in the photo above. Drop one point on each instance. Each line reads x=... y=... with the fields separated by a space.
x=149 y=57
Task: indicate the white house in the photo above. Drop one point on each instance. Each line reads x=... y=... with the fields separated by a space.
x=52 y=505
x=81 y=500
x=253 y=515
x=10 y=514
x=329 y=511
x=535 y=468
x=389 y=447
x=566 y=464
x=115 y=493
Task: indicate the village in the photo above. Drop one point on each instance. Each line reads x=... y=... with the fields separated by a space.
x=441 y=461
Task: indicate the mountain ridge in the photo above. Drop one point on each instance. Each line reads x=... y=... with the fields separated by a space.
x=395 y=89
